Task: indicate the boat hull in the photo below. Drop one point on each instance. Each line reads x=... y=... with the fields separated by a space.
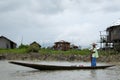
x=56 y=67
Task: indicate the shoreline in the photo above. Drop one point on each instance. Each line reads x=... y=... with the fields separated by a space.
x=57 y=57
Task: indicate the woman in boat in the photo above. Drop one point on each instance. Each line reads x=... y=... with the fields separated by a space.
x=94 y=55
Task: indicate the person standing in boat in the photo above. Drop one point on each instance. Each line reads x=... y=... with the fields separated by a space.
x=94 y=55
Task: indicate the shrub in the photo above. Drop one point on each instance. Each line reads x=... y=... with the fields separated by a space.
x=33 y=48
x=117 y=48
x=23 y=46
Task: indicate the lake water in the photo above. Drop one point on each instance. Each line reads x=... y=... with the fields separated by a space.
x=14 y=72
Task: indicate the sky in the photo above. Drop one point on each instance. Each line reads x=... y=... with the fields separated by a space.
x=48 y=21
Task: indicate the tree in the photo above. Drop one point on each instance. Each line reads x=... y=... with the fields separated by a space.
x=23 y=46
x=34 y=47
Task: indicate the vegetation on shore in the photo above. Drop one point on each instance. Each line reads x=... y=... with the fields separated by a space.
x=24 y=49
x=36 y=53
x=45 y=51
x=51 y=51
x=30 y=53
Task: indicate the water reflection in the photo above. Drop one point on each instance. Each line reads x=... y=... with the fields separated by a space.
x=93 y=74
x=14 y=72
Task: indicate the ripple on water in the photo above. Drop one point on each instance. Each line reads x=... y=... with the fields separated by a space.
x=14 y=72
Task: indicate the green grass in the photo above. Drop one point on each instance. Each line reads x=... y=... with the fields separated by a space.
x=107 y=52
x=46 y=51
x=50 y=51
x=72 y=51
x=18 y=51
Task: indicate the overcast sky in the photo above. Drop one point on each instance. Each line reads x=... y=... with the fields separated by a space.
x=47 y=21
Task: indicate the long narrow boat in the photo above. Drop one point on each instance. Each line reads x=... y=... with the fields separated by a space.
x=56 y=67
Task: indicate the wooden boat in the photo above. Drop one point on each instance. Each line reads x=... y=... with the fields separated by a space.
x=56 y=67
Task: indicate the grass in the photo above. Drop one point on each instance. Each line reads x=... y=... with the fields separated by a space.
x=72 y=51
x=18 y=51
x=46 y=51
x=77 y=52
x=50 y=51
x=108 y=52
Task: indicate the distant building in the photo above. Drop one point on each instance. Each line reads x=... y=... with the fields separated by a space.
x=62 y=45
x=6 y=43
x=113 y=36
x=74 y=46
x=36 y=44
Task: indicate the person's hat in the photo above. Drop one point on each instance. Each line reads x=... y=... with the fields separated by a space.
x=93 y=44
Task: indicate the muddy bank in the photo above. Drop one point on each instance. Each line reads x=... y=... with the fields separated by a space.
x=57 y=57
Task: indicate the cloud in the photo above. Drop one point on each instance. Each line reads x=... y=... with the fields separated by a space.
x=47 y=21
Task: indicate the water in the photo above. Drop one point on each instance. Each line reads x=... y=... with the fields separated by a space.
x=14 y=72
